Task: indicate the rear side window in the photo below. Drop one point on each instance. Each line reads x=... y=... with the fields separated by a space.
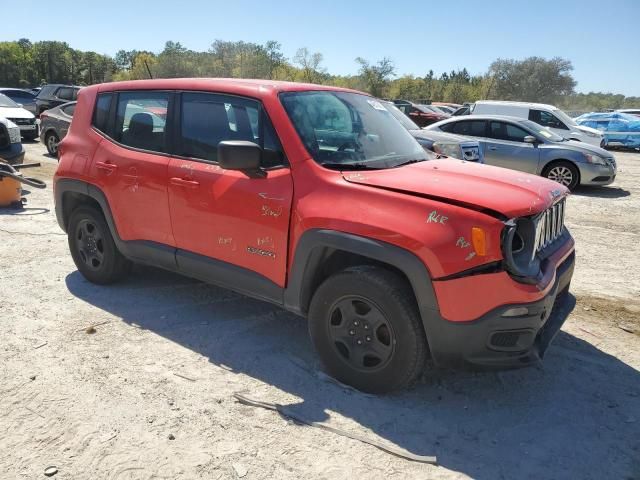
x=65 y=93
x=141 y=120
x=474 y=128
x=101 y=113
x=208 y=119
x=69 y=109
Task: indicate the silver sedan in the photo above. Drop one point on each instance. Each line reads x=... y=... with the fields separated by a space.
x=523 y=145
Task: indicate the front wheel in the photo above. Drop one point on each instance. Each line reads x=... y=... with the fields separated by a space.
x=92 y=247
x=365 y=325
x=564 y=173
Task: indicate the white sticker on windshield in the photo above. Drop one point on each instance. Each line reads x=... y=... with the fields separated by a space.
x=377 y=105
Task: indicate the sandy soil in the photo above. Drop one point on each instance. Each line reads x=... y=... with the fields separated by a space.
x=149 y=394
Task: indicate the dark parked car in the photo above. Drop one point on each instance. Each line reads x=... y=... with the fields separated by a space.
x=54 y=124
x=53 y=95
x=21 y=97
x=11 y=149
x=422 y=115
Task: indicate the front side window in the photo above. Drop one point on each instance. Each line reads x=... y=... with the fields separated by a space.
x=546 y=119
x=208 y=119
x=140 y=120
x=507 y=131
x=350 y=131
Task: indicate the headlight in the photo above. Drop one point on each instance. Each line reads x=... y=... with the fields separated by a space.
x=591 y=134
x=448 y=149
x=595 y=159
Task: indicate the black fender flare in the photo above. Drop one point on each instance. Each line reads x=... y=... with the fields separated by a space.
x=309 y=255
x=140 y=251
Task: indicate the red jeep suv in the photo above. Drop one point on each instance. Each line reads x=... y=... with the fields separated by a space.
x=318 y=200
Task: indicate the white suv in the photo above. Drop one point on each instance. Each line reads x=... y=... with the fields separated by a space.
x=546 y=115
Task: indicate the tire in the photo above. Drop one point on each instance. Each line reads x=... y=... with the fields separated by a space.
x=564 y=173
x=365 y=325
x=93 y=249
x=51 y=140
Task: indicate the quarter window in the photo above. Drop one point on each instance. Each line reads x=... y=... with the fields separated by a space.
x=208 y=119
x=141 y=120
x=69 y=109
x=101 y=112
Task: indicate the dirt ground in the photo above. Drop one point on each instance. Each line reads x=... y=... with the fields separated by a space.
x=150 y=393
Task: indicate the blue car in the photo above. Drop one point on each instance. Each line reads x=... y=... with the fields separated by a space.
x=619 y=129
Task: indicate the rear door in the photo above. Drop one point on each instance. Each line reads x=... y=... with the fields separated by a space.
x=505 y=147
x=130 y=165
x=223 y=215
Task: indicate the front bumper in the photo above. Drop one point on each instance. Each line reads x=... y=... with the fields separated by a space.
x=592 y=174
x=494 y=340
x=13 y=154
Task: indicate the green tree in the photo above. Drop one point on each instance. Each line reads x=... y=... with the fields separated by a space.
x=376 y=77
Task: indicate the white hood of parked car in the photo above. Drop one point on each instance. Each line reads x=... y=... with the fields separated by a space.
x=588 y=129
x=15 y=112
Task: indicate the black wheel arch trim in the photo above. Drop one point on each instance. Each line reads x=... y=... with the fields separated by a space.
x=309 y=254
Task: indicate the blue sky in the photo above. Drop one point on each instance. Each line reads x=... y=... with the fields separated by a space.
x=602 y=39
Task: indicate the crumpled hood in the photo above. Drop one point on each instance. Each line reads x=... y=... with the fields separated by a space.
x=588 y=129
x=498 y=191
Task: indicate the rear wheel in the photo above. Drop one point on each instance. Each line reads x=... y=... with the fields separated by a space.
x=51 y=140
x=565 y=173
x=93 y=249
x=365 y=325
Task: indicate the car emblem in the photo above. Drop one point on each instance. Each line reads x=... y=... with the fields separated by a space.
x=555 y=193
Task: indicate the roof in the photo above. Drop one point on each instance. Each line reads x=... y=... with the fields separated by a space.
x=487 y=117
x=232 y=85
x=518 y=104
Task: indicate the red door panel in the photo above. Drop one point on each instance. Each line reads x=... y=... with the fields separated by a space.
x=135 y=184
x=228 y=216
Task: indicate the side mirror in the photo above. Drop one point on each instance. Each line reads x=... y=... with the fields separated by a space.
x=530 y=139
x=239 y=155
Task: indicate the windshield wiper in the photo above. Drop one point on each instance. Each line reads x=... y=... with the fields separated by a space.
x=409 y=162
x=349 y=166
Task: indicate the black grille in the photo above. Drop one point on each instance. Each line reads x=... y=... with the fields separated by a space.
x=23 y=121
x=505 y=339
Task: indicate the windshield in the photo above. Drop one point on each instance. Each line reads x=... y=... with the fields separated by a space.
x=565 y=118
x=7 y=102
x=542 y=131
x=401 y=117
x=350 y=131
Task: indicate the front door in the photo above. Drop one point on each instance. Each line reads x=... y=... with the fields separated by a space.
x=505 y=147
x=224 y=215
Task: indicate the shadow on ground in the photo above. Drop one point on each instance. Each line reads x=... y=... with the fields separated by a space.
x=580 y=412
x=601 y=192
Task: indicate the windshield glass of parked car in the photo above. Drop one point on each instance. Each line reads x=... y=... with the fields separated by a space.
x=350 y=131
x=542 y=131
x=566 y=119
x=7 y=102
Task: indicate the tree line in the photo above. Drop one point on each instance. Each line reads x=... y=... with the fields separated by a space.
x=26 y=64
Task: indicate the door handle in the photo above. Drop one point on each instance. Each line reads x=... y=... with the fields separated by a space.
x=493 y=148
x=107 y=167
x=181 y=182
